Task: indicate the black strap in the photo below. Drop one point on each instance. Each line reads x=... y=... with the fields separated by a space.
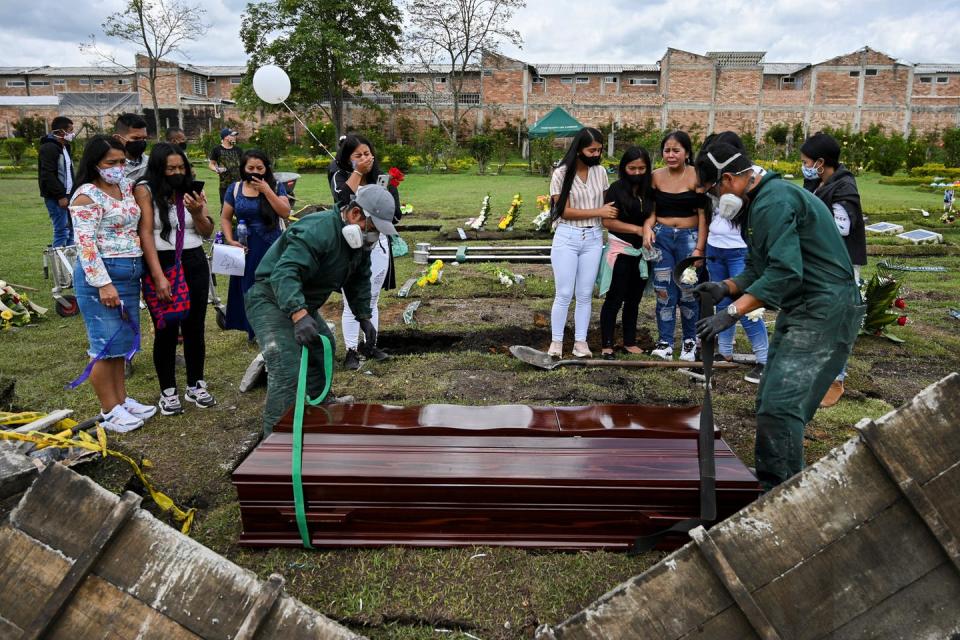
x=705 y=450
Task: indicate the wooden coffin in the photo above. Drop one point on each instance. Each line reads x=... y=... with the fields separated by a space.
x=513 y=475
x=863 y=544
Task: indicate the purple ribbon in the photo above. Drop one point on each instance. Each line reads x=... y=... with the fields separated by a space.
x=127 y=322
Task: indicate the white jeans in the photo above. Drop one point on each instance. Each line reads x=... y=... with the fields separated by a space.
x=575 y=257
x=379 y=262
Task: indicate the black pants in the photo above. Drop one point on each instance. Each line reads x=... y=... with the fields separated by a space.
x=626 y=289
x=196 y=271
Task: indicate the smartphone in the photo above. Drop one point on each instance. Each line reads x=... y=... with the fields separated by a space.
x=383 y=180
x=196 y=187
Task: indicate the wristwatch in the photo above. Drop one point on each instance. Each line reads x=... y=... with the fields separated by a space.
x=732 y=311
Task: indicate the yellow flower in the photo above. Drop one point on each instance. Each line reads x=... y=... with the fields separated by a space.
x=422 y=281
x=6 y=314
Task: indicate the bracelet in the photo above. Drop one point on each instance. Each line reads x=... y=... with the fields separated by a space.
x=358 y=173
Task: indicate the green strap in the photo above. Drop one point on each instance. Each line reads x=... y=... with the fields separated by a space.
x=299 y=504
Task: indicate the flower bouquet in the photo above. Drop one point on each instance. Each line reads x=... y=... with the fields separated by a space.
x=406 y=209
x=884 y=305
x=396 y=176
x=542 y=221
x=506 y=222
x=477 y=223
x=432 y=274
x=508 y=278
x=16 y=309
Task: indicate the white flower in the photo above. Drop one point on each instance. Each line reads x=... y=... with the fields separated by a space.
x=756 y=315
x=505 y=280
x=689 y=276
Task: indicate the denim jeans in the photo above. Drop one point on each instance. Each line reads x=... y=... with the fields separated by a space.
x=62 y=226
x=674 y=245
x=727 y=263
x=575 y=257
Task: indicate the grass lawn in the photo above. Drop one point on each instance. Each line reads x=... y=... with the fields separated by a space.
x=456 y=352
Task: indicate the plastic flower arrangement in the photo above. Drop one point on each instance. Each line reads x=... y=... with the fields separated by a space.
x=884 y=305
x=689 y=276
x=432 y=274
x=477 y=223
x=542 y=221
x=506 y=222
x=508 y=278
x=406 y=209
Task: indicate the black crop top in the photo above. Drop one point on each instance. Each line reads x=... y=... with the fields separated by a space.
x=678 y=205
x=630 y=209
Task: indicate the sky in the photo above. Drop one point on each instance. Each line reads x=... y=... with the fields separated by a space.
x=575 y=31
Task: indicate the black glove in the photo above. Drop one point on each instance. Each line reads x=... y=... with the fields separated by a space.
x=710 y=327
x=715 y=291
x=305 y=330
x=369 y=333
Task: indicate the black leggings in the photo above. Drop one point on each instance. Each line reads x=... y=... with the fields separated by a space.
x=626 y=289
x=196 y=271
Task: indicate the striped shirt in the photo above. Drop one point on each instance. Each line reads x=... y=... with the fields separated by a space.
x=583 y=195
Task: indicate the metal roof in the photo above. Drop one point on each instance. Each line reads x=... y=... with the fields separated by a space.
x=783 y=68
x=934 y=67
x=29 y=101
x=215 y=70
x=81 y=71
x=737 y=58
x=439 y=68
x=571 y=69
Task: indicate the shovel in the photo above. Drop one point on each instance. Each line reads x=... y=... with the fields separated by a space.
x=543 y=361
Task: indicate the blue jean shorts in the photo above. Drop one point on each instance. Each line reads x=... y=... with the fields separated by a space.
x=102 y=322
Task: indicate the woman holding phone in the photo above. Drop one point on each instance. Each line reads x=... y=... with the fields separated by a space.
x=167 y=186
x=258 y=202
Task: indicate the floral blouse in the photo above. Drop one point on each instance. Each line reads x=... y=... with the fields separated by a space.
x=105 y=229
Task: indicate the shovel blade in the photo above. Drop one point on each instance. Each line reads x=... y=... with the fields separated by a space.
x=532 y=356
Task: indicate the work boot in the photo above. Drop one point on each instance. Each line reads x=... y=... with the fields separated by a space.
x=375 y=353
x=833 y=394
x=352 y=360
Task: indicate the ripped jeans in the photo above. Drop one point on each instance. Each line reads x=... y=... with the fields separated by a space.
x=674 y=245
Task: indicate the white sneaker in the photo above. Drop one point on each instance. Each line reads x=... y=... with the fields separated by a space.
x=120 y=420
x=138 y=409
x=199 y=395
x=689 y=351
x=663 y=350
x=170 y=402
x=581 y=350
x=555 y=350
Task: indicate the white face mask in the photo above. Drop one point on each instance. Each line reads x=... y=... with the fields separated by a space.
x=729 y=206
x=353 y=235
x=370 y=238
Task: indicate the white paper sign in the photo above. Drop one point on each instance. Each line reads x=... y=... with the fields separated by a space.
x=228 y=260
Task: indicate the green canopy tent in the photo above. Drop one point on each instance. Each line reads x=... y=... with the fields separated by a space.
x=558 y=122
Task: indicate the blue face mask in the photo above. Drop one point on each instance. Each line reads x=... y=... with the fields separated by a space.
x=810 y=173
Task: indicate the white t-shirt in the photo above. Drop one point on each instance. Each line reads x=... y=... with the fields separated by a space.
x=723 y=235
x=191 y=239
x=583 y=195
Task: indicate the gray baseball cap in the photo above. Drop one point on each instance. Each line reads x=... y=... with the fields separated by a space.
x=379 y=205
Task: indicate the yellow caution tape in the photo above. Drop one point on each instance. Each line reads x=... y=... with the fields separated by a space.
x=83 y=440
x=24 y=417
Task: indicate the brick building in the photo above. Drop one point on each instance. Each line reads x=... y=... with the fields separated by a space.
x=737 y=90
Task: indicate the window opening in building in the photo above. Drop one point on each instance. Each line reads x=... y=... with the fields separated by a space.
x=582 y=80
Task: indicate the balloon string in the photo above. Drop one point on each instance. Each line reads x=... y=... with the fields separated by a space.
x=322 y=146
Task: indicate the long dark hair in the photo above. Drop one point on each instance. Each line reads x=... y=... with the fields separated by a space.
x=348 y=145
x=160 y=189
x=631 y=154
x=684 y=139
x=93 y=152
x=584 y=138
x=267 y=214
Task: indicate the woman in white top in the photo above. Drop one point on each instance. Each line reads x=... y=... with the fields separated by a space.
x=168 y=178
x=577 y=189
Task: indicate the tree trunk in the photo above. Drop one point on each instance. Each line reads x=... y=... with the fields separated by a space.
x=153 y=96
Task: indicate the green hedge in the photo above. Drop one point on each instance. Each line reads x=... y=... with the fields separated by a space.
x=931 y=170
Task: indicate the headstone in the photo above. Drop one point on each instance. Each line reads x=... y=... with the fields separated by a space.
x=921 y=236
x=884 y=227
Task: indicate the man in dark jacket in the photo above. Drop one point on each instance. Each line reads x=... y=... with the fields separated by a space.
x=837 y=188
x=322 y=253
x=55 y=176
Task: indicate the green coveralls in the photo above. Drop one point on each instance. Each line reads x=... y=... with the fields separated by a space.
x=796 y=262
x=300 y=271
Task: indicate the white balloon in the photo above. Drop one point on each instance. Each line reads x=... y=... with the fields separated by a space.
x=271 y=84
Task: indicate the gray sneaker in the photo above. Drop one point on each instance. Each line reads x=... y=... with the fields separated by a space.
x=169 y=403
x=199 y=396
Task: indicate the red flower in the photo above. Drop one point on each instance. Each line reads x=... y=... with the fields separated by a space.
x=396 y=177
x=902 y=320
x=900 y=303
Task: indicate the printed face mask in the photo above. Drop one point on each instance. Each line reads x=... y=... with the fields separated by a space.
x=810 y=173
x=112 y=175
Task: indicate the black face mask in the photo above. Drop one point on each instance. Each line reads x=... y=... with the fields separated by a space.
x=180 y=182
x=636 y=180
x=183 y=145
x=136 y=148
x=248 y=177
x=590 y=161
